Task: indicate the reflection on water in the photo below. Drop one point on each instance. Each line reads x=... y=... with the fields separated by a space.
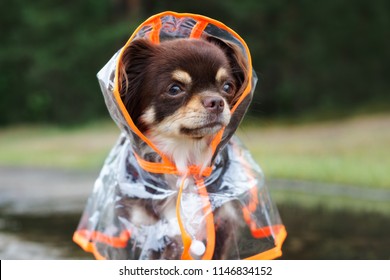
x=321 y=234
x=312 y=234
x=39 y=237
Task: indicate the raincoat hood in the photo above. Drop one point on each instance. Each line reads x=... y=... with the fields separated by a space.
x=232 y=177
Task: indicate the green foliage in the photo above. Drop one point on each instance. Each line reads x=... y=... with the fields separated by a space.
x=310 y=56
x=50 y=54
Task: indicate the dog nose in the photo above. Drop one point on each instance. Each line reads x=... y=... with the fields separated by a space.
x=213 y=104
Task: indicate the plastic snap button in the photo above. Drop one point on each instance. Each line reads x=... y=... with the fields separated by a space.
x=197 y=249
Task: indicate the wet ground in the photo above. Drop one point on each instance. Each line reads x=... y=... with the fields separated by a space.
x=40 y=209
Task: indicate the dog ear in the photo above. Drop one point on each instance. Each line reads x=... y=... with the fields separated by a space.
x=237 y=62
x=133 y=62
x=133 y=67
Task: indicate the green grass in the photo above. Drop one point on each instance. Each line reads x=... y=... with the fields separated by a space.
x=355 y=151
x=47 y=146
x=335 y=203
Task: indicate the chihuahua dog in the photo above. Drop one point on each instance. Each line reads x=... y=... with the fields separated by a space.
x=179 y=94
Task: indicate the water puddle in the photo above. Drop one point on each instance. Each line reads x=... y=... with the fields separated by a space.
x=40 y=209
x=319 y=233
x=39 y=237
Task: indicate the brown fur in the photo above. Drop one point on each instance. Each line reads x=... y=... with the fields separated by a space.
x=146 y=68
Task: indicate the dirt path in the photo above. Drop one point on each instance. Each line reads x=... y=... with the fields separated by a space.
x=41 y=191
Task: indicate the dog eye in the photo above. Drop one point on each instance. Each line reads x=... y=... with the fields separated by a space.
x=228 y=87
x=174 y=89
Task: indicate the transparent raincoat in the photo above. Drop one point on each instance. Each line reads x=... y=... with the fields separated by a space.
x=232 y=178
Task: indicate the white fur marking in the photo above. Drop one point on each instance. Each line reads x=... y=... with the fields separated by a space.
x=185 y=151
x=149 y=116
x=182 y=76
x=222 y=73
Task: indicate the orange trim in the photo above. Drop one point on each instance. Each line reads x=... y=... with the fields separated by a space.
x=274 y=252
x=267 y=255
x=210 y=229
x=198 y=29
x=87 y=246
x=155 y=34
x=156 y=167
x=83 y=237
x=80 y=239
x=196 y=170
x=262 y=232
x=164 y=168
x=244 y=95
x=184 y=235
x=119 y=242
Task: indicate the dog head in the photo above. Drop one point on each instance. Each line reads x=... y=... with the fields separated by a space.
x=183 y=89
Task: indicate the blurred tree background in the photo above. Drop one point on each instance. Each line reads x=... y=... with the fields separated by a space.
x=326 y=58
